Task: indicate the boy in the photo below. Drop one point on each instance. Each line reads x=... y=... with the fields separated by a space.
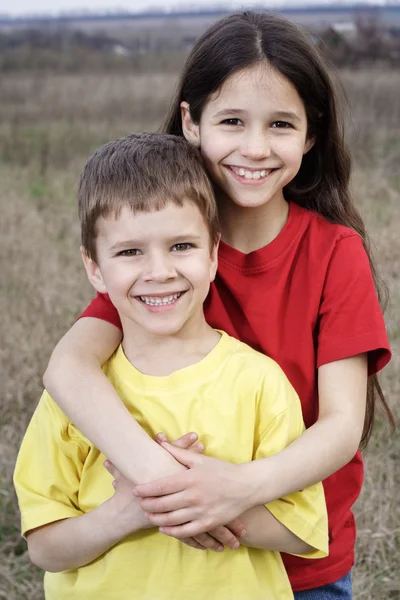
x=149 y=240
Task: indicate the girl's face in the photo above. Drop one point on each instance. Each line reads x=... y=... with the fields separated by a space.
x=252 y=135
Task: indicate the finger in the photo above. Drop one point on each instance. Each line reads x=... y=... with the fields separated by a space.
x=226 y=537
x=185 y=441
x=237 y=527
x=111 y=469
x=162 y=487
x=188 y=529
x=193 y=543
x=164 y=504
x=186 y=458
x=178 y=517
x=208 y=541
x=197 y=447
x=161 y=438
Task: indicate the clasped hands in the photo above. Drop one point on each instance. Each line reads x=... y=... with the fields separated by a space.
x=199 y=506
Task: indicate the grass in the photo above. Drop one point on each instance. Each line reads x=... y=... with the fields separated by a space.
x=48 y=126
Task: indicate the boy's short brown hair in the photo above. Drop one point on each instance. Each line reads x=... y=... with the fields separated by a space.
x=145 y=172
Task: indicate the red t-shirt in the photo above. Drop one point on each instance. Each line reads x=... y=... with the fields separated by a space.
x=305 y=300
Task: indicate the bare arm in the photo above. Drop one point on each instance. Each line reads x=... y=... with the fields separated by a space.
x=75 y=380
x=266 y=532
x=77 y=541
x=336 y=434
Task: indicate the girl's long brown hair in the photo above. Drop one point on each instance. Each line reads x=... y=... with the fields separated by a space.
x=322 y=184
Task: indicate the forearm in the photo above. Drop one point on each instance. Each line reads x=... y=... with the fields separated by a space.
x=264 y=531
x=76 y=382
x=326 y=446
x=300 y=465
x=75 y=542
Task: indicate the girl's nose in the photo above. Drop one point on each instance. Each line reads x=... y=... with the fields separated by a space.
x=159 y=267
x=256 y=146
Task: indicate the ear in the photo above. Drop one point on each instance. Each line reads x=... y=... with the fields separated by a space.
x=93 y=272
x=191 y=131
x=214 y=260
x=309 y=144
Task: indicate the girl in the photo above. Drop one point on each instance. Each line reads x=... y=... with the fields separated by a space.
x=295 y=281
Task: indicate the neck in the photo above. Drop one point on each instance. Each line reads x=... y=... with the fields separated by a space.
x=162 y=355
x=249 y=229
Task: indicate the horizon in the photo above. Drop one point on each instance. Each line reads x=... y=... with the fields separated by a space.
x=24 y=9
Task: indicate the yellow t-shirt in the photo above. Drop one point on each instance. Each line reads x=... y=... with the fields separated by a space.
x=244 y=408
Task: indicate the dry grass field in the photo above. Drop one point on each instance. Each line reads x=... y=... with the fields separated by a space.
x=48 y=127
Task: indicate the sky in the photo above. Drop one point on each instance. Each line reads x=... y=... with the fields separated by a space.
x=54 y=7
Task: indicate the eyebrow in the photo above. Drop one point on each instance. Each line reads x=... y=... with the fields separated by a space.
x=230 y=111
x=287 y=115
x=280 y=114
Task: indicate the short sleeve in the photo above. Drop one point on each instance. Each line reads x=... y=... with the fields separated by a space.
x=304 y=512
x=48 y=468
x=350 y=319
x=102 y=308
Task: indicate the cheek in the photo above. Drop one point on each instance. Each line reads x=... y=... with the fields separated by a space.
x=120 y=278
x=292 y=153
x=214 y=148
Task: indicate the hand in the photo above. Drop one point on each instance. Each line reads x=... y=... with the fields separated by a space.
x=220 y=536
x=210 y=493
x=129 y=516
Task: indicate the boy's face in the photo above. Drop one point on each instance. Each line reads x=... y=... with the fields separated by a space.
x=156 y=266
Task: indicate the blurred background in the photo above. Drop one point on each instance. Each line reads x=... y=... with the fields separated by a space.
x=72 y=79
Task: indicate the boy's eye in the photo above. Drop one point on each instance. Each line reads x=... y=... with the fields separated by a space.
x=130 y=252
x=182 y=247
x=233 y=122
x=281 y=125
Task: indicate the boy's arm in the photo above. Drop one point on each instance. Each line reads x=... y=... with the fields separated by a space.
x=264 y=531
x=77 y=541
x=74 y=542
x=75 y=380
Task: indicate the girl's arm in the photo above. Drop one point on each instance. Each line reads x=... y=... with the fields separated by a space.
x=75 y=380
x=327 y=445
x=212 y=492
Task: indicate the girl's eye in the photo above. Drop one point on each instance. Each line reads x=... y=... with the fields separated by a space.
x=233 y=122
x=182 y=247
x=281 y=125
x=130 y=252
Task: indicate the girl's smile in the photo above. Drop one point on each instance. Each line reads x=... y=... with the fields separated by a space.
x=250 y=176
x=252 y=135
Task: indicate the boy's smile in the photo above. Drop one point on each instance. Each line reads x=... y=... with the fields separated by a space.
x=156 y=267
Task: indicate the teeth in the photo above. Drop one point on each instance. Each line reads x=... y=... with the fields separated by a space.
x=158 y=301
x=251 y=174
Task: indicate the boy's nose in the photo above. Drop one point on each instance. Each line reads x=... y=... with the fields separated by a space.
x=159 y=268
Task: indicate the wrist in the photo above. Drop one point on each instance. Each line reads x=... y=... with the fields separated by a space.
x=258 y=482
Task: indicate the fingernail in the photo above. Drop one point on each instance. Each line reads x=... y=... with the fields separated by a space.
x=219 y=549
x=200 y=446
x=243 y=533
x=161 y=530
x=193 y=436
x=135 y=492
x=236 y=546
